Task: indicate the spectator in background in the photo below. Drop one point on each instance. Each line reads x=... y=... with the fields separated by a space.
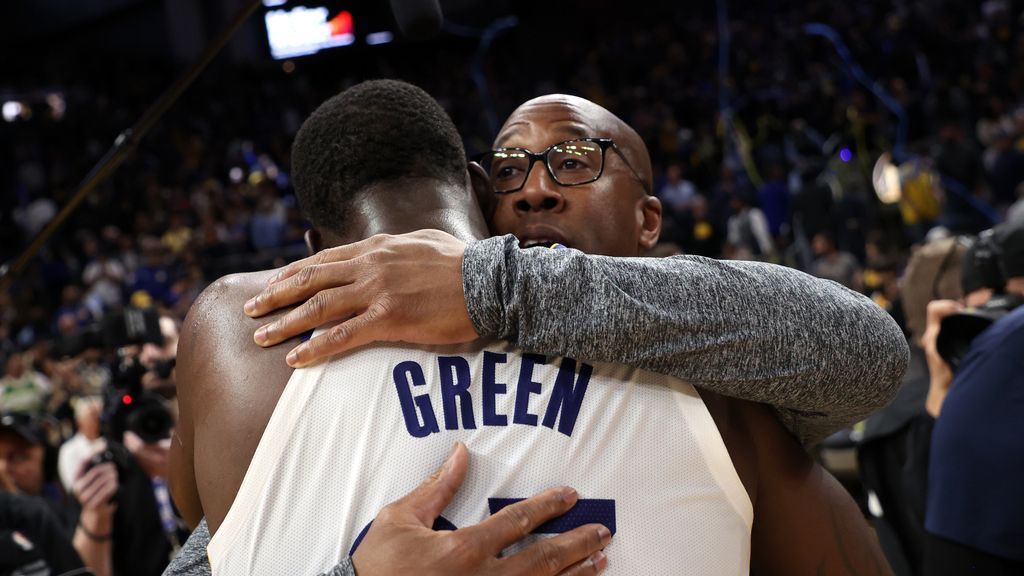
x=698 y=233
x=22 y=449
x=1007 y=169
x=774 y=200
x=72 y=314
x=178 y=234
x=832 y=264
x=677 y=192
x=186 y=289
x=749 y=237
x=127 y=255
x=236 y=223
x=975 y=504
x=36 y=215
x=153 y=276
x=957 y=158
x=22 y=452
x=677 y=195
x=1016 y=212
x=86 y=442
x=22 y=388
x=268 y=223
x=104 y=278
x=32 y=540
x=892 y=453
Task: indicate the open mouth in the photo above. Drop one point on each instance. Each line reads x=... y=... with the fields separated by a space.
x=540 y=236
x=539 y=243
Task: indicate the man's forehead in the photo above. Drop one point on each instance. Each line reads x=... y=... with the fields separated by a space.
x=550 y=119
x=539 y=135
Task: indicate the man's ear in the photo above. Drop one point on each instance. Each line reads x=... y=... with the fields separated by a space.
x=650 y=222
x=314 y=242
x=482 y=189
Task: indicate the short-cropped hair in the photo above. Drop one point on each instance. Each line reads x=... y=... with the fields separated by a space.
x=379 y=131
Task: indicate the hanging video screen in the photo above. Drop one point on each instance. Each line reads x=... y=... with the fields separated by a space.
x=301 y=28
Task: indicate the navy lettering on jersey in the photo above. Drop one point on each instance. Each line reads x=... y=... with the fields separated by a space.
x=403 y=371
x=491 y=389
x=526 y=388
x=455 y=382
x=455 y=386
x=586 y=511
x=567 y=396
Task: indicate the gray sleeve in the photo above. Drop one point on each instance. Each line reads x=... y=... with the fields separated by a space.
x=822 y=355
x=192 y=560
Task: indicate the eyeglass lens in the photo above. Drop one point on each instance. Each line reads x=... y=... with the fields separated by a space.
x=573 y=162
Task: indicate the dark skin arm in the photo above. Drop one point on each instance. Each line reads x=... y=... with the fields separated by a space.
x=805 y=522
x=181 y=472
x=222 y=413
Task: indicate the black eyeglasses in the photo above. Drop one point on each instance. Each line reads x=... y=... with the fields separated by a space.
x=570 y=163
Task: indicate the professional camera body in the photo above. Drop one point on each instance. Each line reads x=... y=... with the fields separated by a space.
x=985 y=266
x=127 y=405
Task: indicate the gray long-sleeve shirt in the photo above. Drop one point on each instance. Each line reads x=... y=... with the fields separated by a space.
x=822 y=355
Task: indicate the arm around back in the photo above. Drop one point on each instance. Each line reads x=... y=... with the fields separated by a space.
x=822 y=355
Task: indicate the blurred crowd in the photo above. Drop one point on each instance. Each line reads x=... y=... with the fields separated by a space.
x=767 y=154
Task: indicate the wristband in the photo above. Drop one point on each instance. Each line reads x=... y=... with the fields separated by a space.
x=92 y=535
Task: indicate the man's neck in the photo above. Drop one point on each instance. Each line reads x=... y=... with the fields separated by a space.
x=444 y=207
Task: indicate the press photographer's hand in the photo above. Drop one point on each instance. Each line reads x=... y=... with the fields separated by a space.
x=95 y=487
x=940 y=373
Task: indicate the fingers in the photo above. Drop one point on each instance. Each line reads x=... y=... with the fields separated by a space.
x=358 y=331
x=431 y=497
x=939 y=309
x=326 y=306
x=330 y=255
x=97 y=485
x=304 y=283
x=514 y=522
x=576 y=552
x=87 y=475
x=104 y=491
x=593 y=565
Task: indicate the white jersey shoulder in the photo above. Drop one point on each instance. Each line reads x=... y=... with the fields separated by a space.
x=351 y=435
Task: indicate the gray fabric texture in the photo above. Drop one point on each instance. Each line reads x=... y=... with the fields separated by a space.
x=192 y=560
x=824 y=356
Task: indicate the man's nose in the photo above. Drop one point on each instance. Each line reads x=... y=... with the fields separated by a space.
x=540 y=192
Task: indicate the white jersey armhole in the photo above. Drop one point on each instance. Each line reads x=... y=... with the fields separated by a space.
x=268 y=451
x=712 y=446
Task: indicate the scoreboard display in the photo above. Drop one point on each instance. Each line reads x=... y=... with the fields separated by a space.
x=301 y=28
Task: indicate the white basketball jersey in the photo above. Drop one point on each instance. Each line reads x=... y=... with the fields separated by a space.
x=354 y=434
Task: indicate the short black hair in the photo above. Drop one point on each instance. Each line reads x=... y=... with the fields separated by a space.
x=375 y=132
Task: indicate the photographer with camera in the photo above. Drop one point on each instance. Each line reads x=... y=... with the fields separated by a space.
x=138 y=349
x=30 y=525
x=893 y=450
x=975 y=505
x=138 y=423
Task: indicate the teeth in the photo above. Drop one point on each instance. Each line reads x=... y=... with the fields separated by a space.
x=537 y=242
